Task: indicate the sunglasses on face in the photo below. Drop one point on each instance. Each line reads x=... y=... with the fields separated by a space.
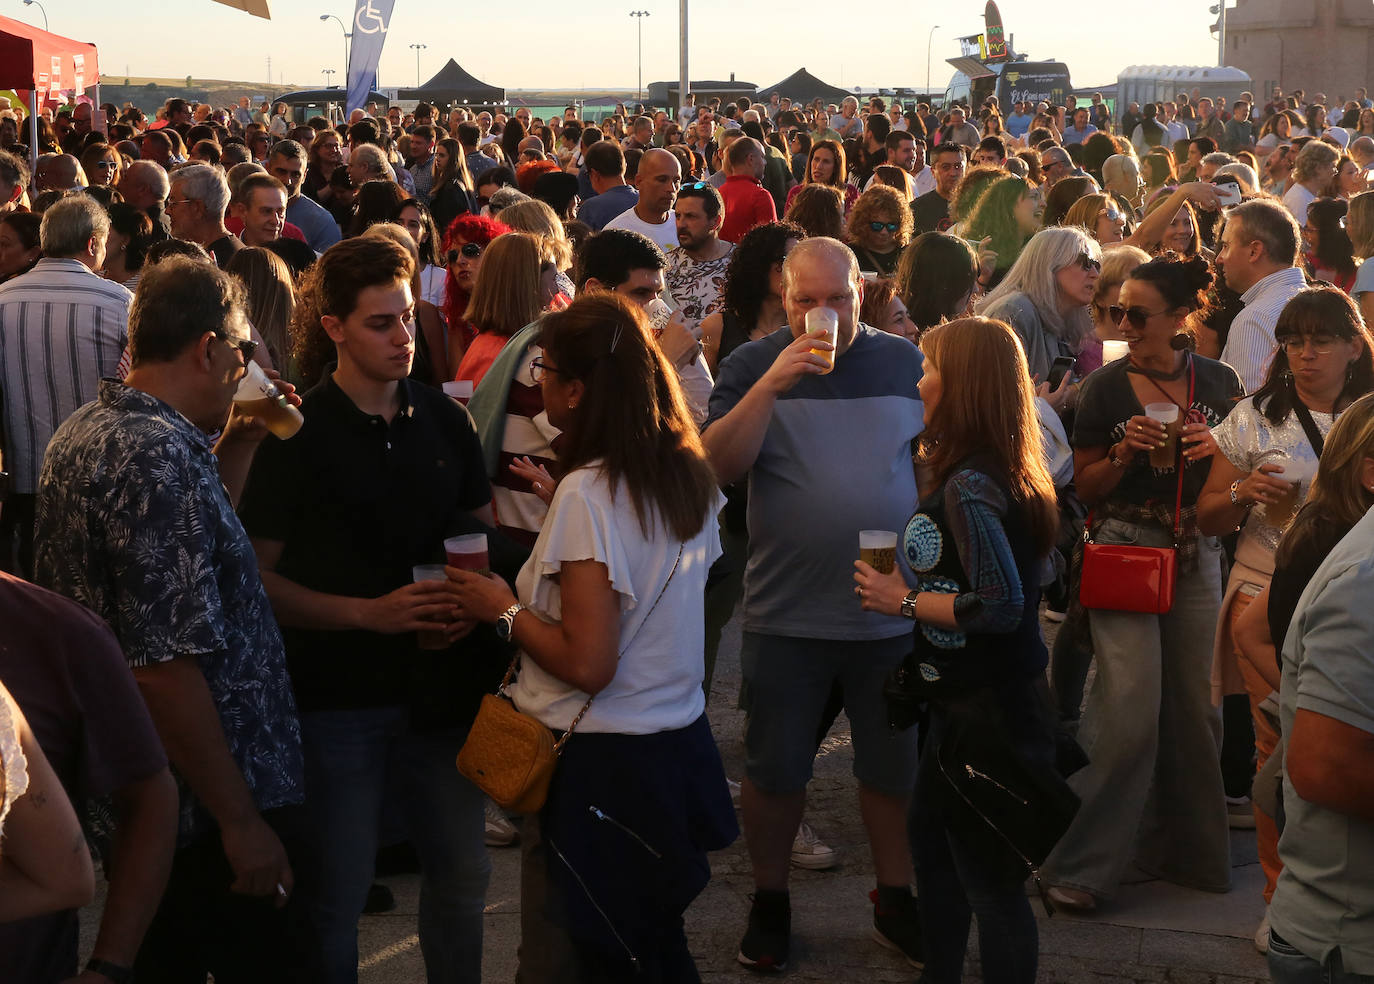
x=1322 y=343
x=1111 y=215
x=1137 y=316
x=880 y=226
x=246 y=346
x=1088 y=264
x=468 y=250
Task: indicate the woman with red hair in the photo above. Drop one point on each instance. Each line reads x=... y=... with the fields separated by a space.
x=465 y=240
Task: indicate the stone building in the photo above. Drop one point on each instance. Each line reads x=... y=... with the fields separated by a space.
x=1315 y=45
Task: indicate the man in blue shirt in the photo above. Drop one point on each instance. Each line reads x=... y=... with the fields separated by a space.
x=1081 y=129
x=804 y=433
x=287 y=164
x=171 y=570
x=606 y=172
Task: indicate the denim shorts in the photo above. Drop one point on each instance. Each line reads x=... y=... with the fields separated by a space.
x=787 y=682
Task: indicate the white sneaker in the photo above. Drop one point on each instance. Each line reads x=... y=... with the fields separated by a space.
x=809 y=852
x=735 y=790
x=500 y=832
x=1054 y=614
x=1240 y=814
x=1262 y=934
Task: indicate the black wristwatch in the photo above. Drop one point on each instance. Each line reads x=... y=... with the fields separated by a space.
x=116 y=973
x=909 y=605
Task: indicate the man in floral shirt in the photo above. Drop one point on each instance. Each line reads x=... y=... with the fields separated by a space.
x=135 y=520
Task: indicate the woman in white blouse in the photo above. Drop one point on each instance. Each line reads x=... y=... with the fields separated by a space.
x=610 y=607
x=1269 y=447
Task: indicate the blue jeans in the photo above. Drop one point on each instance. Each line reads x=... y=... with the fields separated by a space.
x=353 y=759
x=1289 y=965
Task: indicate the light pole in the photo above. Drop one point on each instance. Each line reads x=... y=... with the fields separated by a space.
x=35 y=3
x=417 y=48
x=327 y=73
x=342 y=27
x=639 y=16
x=929 y=39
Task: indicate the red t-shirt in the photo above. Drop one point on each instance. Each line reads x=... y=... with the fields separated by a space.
x=747 y=204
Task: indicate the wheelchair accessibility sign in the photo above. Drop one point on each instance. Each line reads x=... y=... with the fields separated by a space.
x=369 y=19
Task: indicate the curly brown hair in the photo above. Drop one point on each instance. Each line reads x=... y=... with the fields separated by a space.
x=881 y=200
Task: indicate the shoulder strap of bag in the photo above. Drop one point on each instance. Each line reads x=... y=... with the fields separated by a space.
x=1309 y=426
x=1178 y=494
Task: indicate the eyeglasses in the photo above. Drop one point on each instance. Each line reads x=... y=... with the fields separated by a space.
x=179 y=201
x=1087 y=263
x=106 y=165
x=880 y=226
x=1051 y=165
x=468 y=250
x=246 y=346
x=539 y=369
x=1137 y=316
x=1322 y=343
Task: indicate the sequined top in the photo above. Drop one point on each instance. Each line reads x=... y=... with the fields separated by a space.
x=1248 y=440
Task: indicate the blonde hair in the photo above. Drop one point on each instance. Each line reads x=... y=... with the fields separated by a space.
x=534 y=216
x=271 y=298
x=505 y=297
x=1118 y=260
x=1359 y=223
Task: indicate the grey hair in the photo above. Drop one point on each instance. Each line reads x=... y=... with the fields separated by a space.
x=1271 y=225
x=69 y=224
x=827 y=248
x=288 y=148
x=1243 y=173
x=204 y=183
x=1119 y=168
x=1315 y=157
x=150 y=174
x=1220 y=158
x=1033 y=274
x=374 y=159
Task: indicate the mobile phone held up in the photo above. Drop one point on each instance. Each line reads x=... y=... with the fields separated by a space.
x=1062 y=366
x=1228 y=192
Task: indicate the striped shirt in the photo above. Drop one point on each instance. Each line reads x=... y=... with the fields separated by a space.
x=1250 y=343
x=62 y=328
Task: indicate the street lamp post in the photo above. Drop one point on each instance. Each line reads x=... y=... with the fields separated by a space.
x=327 y=73
x=930 y=38
x=35 y=3
x=342 y=27
x=639 y=16
x=417 y=48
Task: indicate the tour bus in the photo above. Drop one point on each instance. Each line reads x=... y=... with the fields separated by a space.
x=1011 y=82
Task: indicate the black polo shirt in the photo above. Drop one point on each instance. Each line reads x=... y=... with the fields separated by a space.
x=356 y=503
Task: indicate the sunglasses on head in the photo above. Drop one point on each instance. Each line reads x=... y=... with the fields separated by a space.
x=880 y=226
x=469 y=250
x=1137 y=316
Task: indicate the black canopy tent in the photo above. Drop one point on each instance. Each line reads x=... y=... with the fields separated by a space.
x=454 y=85
x=801 y=86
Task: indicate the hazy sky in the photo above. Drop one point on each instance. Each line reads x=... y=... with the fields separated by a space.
x=543 y=43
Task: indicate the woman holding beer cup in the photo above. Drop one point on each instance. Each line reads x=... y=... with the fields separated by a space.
x=985 y=523
x=1324 y=362
x=1148 y=728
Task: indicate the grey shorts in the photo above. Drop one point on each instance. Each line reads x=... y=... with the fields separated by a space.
x=786 y=684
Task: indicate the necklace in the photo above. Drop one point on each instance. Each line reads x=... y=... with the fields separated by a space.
x=1153 y=374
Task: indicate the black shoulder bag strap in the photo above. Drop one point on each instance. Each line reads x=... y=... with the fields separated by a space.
x=1309 y=426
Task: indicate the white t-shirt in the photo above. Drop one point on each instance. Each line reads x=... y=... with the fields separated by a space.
x=1296 y=199
x=432 y=279
x=657 y=684
x=665 y=233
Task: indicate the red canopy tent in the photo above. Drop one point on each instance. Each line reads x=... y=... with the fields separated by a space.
x=41 y=63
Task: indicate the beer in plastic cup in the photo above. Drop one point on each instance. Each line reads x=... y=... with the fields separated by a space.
x=459 y=389
x=430 y=638
x=824 y=322
x=468 y=553
x=259 y=397
x=878 y=549
x=1113 y=349
x=1280 y=513
x=1166 y=414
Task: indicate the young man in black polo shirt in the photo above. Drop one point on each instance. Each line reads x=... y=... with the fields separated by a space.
x=381 y=472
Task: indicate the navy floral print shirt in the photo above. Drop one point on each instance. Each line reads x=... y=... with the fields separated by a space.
x=134 y=522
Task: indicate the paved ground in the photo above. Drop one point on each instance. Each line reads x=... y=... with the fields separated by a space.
x=1152 y=932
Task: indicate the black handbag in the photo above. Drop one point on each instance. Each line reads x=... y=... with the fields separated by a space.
x=1008 y=801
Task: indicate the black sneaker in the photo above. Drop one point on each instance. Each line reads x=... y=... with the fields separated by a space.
x=765 y=943
x=899 y=928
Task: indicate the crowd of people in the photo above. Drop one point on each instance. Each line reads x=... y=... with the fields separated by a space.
x=669 y=366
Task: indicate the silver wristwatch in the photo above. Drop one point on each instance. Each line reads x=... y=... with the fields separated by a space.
x=909 y=605
x=505 y=622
